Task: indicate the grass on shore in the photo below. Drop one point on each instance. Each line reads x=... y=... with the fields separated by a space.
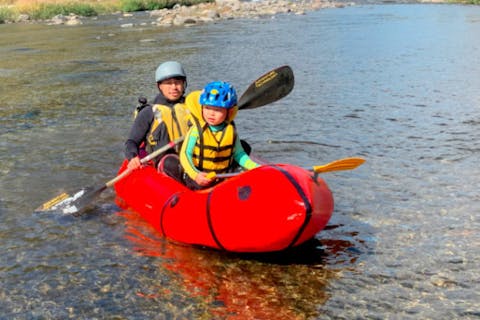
x=10 y=10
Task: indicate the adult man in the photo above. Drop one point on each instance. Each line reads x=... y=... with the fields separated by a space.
x=157 y=125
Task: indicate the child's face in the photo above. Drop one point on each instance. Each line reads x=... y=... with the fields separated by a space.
x=214 y=115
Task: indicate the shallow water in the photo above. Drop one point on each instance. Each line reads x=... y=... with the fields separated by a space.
x=396 y=84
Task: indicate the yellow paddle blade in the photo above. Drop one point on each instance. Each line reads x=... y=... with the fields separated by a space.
x=338 y=165
x=50 y=203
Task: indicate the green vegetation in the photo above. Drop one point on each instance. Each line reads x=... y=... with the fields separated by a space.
x=142 y=5
x=49 y=10
x=10 y=10
x=7 y=14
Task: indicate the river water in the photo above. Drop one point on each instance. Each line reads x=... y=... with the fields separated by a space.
x=396 y=84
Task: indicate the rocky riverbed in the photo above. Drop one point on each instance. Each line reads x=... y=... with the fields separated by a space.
x=215 y=11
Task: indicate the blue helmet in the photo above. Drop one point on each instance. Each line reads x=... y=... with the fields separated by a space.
x=219 y=94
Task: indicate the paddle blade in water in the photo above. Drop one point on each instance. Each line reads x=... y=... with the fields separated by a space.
x=72 y=204
x=53 y=202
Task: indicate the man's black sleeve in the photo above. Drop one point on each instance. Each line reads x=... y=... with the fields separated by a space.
x=138 y=132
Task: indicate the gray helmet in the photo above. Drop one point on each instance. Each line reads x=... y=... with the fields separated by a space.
x=169 y=69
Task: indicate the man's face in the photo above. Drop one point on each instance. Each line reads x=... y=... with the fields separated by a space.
x=172 y=88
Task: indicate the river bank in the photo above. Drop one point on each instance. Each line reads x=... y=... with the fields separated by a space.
x=176 y=15
x=166 y=13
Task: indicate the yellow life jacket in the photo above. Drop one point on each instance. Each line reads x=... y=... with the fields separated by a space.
x=214 y=150
x=176 y=120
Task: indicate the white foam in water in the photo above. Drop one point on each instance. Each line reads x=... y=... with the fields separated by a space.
x=64 y=205
x=70 y=209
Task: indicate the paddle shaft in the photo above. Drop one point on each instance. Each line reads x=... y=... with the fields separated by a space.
x=337 y=165
x=144 y=160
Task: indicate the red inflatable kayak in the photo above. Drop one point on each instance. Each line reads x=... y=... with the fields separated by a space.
x=270 y=208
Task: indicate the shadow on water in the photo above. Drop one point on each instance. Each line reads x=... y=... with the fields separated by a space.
x=309 y=253
x=291 y=284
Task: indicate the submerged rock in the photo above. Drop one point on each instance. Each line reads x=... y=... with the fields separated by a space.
x=70 y=20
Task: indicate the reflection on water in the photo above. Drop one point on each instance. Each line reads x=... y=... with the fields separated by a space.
x=241 y=287
x=396 y=84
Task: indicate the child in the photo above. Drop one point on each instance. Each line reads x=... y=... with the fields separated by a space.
x=212 y=143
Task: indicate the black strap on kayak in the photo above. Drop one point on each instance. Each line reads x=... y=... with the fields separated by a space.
x=171 y=202
x=210 y=224
x=301 y=193
x=308 y=207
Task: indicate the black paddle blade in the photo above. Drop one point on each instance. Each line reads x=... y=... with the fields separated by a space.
x=270 y=87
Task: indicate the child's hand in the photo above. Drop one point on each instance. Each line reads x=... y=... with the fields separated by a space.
x=202 y=179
